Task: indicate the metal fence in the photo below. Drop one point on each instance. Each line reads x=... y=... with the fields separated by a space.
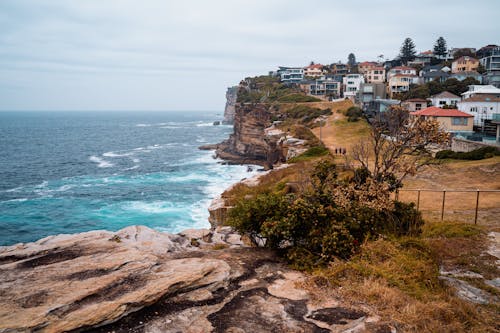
x=442 y=198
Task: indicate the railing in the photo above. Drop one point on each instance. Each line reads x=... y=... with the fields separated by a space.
x=442 y=198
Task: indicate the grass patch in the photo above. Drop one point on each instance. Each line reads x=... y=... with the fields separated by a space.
x=311 y=153
x=297 y=98
x=450 y=230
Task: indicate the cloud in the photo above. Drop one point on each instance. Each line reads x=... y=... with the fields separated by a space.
x=118 y=47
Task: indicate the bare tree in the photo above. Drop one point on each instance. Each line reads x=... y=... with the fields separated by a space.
x=397 y=146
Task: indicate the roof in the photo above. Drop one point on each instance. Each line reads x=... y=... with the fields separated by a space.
x=404 y=75
x=367 y=63
x=471 y=73
x=417 y=100
x=434 y=111
x=437 y=74
x=428 y=52
x=378 y=68
x=482 y=89
x=320 y=66
x=494 y=98
x=403 y=68
x=445 y=94
x=467 y=58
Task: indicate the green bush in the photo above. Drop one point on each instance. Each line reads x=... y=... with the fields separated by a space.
x=477 y=154
x=315 y=226
x=312 y=152
x=354 y=114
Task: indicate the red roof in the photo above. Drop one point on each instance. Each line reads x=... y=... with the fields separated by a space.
x=428 y=52
x=315 y=66
x=367 y=63
x=434 y=111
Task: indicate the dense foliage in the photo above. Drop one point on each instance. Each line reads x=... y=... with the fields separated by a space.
x=440 y=48
x=407 y=51
x=353 y=114
x=477 y=154
x=328 y=219
x=435 y=87
x=306 y=113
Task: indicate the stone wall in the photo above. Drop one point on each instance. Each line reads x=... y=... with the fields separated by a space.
x=462 y=145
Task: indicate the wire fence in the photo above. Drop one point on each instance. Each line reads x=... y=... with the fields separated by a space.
x=462 y=202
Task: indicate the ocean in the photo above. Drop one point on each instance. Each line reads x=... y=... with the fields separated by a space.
x=69 y=172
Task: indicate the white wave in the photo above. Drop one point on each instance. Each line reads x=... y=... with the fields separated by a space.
x=15 y=189
x=42 y=185
x=136 y=160
x=117 y=154
x=101 y=163
x=17 y=200
x=205 y=124
x=155 y=207
x=143 y=125
x=64 y=188
x=132 y=168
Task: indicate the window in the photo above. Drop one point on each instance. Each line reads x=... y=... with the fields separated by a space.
x=442 y=102
x=473 y=109
x=459 y=121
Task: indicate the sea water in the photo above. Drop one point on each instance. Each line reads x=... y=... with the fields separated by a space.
x=69 y=172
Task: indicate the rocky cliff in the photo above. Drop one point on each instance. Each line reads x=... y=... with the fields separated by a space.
x=250 y=143
x=230 y=109
x=141 y=280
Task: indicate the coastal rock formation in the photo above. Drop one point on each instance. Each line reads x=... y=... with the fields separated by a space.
x=229 y=110
x=249 y=143
x=141 y=280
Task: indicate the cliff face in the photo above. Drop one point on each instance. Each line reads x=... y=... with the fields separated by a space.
x=250 y=143
x=229 y=111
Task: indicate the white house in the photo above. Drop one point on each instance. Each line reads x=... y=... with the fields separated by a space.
x=400 y=70
x=314 y=70
x=475 y=90
x=291 y=74
x=481 y=106
x=444 y=98
x=351 y=83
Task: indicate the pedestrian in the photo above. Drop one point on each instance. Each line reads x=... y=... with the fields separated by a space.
x=335 y=151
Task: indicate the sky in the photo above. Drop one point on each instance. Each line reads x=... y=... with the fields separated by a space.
x=167 y=55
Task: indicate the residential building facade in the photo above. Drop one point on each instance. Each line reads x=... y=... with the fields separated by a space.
x=464 y=64
x=414 y=104
x=405 y=70
x=289 y=75
x=482 y=107
x=371 y=91
x=450 y=120
x=314 y=70
x=364 y=67
x=351 y=84
x=400 y=83
x=491 y=63
x=375 y=75
x=444 y=98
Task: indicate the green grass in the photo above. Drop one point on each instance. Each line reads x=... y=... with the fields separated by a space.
x=311 y=153
x=450 y=230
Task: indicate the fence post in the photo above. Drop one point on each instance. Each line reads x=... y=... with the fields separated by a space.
x=442 y=207
x=418 y=199
x=477 y=206
x=396 y=195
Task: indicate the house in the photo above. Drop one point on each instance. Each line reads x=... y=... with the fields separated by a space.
x=444 y=98
x=434 y=68
x=314 y=70
x=340 y=68
x=351 y=83
x=414 y=104
x=423 y=58
x=482 y=106
x=486 y=51
x=379 y=106
x=451 y=120
x=322 y=87
x=401 y=70
x=463 y=75
x=464 y=64
x=375 y=75
x=399 y=83
x=439 y=76
x=470 y=50
x=371 y=91
x=364 y=67
x=476 y=89
x=289 y=75
x=491 y=63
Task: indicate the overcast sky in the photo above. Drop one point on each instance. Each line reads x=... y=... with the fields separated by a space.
x=181 y=55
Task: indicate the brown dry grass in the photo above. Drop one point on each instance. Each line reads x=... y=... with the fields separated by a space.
x=398 y=280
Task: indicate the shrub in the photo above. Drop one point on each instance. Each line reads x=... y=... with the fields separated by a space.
x=328 y=220
x=477 y=154
x=354 y=114
x=312 y=152
x=297 y=98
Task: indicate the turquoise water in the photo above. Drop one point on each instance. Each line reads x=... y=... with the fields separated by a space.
x=68 y=172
